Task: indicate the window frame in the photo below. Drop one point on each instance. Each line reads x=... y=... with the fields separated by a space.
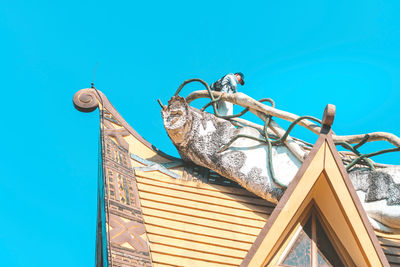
x=313 y=212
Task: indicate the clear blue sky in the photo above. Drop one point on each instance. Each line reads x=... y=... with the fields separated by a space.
x=303 y=54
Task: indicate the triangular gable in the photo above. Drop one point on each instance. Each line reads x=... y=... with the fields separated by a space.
x=321 y=182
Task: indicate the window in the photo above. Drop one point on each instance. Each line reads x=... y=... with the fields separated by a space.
x=310 y=246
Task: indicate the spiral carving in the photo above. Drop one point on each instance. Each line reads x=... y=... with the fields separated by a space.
x=85 y=100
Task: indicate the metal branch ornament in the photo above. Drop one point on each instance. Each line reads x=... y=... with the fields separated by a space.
x=264 y=158
x=249 y=103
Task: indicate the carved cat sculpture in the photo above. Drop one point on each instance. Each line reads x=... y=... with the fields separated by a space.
x=198 y=136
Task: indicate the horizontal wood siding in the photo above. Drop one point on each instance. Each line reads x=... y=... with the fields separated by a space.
x=391 y=247
x=196 y=224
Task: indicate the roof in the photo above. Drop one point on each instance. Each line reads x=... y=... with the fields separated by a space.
x=156 y=209
x=322 y=184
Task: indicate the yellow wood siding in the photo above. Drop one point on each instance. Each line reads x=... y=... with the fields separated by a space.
x=195 y=224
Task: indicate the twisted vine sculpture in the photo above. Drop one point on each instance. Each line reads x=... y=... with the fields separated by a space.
x=264 y=158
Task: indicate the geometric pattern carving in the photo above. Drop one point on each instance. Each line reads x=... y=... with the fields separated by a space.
x=125 y=190
x=118 y=134
x=125 y=220
x=120 y=182
x=128 y=231
x=116 y=153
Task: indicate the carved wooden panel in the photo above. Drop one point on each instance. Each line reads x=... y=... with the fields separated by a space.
x=127 y=239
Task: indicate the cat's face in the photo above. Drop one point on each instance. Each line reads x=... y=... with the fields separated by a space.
x=176 y=118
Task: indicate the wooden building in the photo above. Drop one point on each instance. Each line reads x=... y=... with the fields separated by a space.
x=156 y=210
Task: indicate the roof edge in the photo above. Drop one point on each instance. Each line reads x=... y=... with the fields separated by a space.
x=89 y=99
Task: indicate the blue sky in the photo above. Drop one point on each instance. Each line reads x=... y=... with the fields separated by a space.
x=303 y=54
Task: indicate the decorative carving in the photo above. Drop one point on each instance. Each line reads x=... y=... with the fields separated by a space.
x=125 y=216
x=118 y=134
x=85 y=100
x=329 y=115
x=199 y=136
x=128 y=231
x=121 y=179
x=327 y=118
x=240 y=153
x=122 y=206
